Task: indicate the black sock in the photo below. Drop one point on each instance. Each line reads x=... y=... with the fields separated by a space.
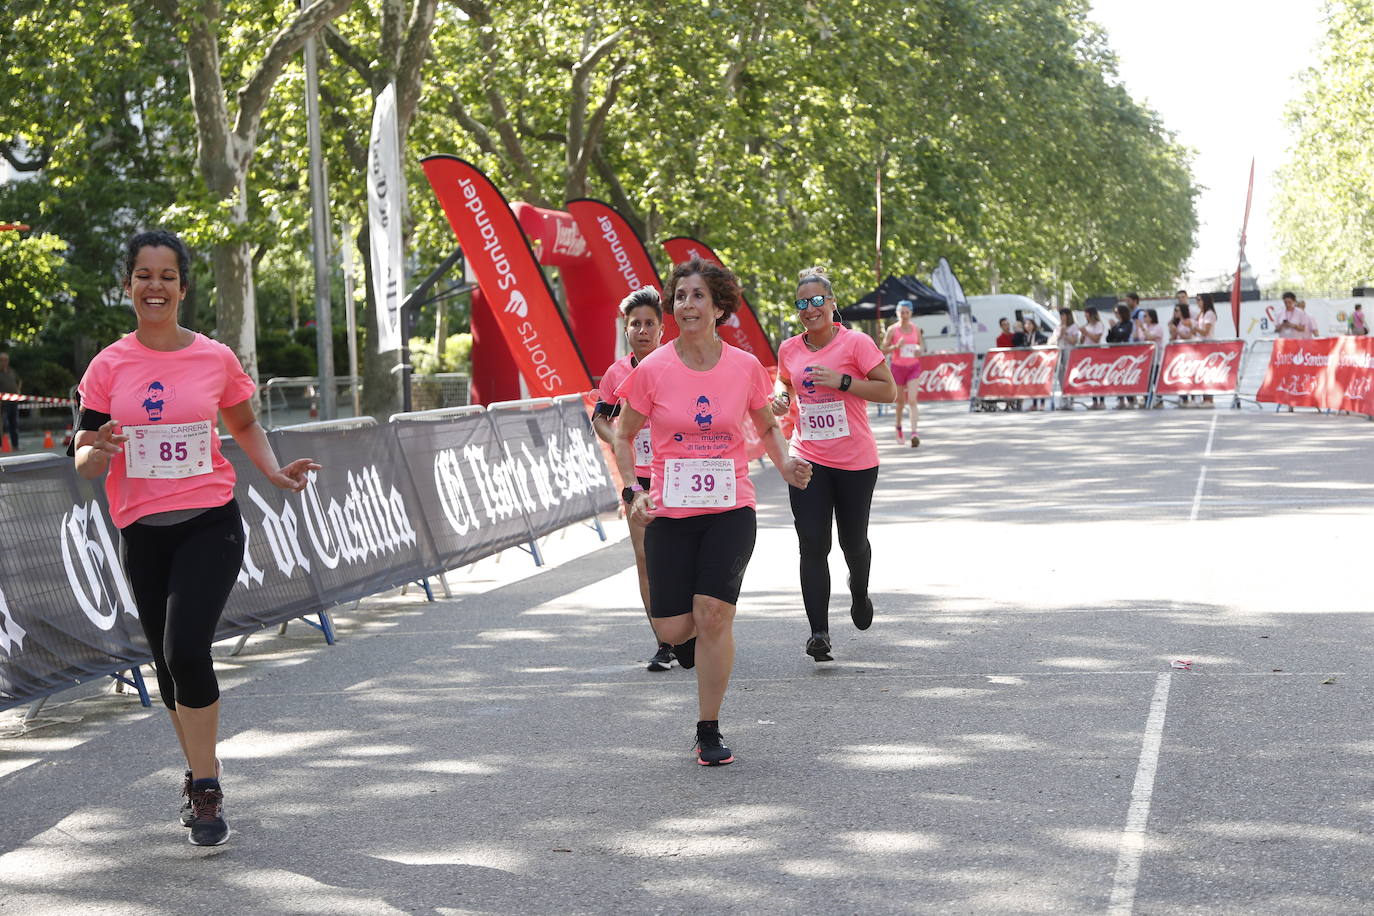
x=709 y=723
x=201 y=785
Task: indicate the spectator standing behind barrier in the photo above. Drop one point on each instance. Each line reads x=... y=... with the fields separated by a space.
x=904 y=343
x=832 y=374
x=1292 y=322
x=698 y=393
x=1133 y=306
x=1204 y=326
x=643 y=313
x=1313 y=331
x=171 y=494
x=1093 y=331
x=1030 y=335
x=1356 y=325
x=1122 y=331
x=9 y=384
x=1148 y=329
x=1067 y=336
x=1181 y=329
x=1006 y=337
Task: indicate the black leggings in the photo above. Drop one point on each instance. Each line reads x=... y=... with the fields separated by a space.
x=181 y=576
x=844 y=496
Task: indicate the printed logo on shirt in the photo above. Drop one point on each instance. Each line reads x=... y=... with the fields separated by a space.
x=157 y=397
x=808 y=383
x=703 y=417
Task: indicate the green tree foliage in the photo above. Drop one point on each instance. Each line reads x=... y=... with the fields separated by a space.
x=1324 y=207
x=32 y=283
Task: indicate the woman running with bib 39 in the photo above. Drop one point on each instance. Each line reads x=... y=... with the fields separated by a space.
x=149 y=403
x=831 y=373
x=698 y=393
x=643 y=312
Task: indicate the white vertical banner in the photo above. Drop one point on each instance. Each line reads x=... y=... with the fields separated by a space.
x=960 y=315
x=384 y=193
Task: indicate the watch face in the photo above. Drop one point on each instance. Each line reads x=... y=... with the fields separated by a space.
x=627 y=495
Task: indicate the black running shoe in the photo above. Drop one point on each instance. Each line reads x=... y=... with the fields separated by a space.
x=862 y=613
x=711 y=750
x=208 y=827
x=663 y=658
x=187 y=816
x=818 y=647
x=686 y=653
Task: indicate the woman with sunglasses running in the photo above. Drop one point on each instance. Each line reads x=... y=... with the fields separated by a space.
x=699 y=508
x=643 y=313
x=831 y=374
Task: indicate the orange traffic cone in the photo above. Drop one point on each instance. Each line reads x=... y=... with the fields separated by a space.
x=5 y=443
x=47 y=439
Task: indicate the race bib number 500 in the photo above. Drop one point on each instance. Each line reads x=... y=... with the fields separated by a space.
x=699 y=483
x=167 y=452
x=824 y=421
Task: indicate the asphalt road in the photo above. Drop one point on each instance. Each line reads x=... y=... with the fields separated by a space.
x=1011 y=736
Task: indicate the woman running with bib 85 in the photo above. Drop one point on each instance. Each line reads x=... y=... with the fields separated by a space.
x=698 y=393
x=832 y=373
x=643 y=313
x=149 y=403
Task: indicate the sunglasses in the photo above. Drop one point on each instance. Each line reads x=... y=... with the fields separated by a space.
x=812 y=302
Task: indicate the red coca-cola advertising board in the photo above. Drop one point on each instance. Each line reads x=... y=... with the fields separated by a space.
x=945 y=377
x=1211 y=367
x=1121 y=370
x=1018 y=373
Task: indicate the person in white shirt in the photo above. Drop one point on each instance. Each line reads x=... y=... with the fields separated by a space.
x=1292 y=321
x=1312 y=330
x=1065 y=337
x=1092 y=331
x=1149 y=329
x=1203 y=326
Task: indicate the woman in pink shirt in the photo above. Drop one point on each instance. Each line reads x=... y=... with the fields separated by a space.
x=698 y=393
x=149 y=405
x=643 y=312
x=904 y=343
x=831 y=374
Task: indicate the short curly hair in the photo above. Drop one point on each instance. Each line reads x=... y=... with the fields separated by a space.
x=156 y=238
x=720 y=280
x=644 y=297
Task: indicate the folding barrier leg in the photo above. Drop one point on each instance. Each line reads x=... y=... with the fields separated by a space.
x=595 y=525
x=533 y=550
x=424 y=583
x=34 y=709
x=242 y=641
x=325 y=626
x=135 y=680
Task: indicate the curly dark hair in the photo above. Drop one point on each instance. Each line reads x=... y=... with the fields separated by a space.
x=156 y=238
x=721 y=281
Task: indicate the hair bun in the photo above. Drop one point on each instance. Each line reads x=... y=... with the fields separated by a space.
x=817 y=271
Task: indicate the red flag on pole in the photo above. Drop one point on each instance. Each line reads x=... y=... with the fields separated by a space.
x=1235 y=286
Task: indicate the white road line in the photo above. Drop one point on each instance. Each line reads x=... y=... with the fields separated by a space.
x=1211 y=434
x=1197 y=494
x=1133 y=836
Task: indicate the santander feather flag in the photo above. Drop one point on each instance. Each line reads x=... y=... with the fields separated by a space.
x=742 y=329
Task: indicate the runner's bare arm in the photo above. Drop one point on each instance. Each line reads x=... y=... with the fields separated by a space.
x=95 y=448
x=795 y=471
x=641 y=509
x=243 y=425
x=877 y=387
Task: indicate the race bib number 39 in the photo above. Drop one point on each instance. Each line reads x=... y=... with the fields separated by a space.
x=167 y=452
x=824 y=421
x=699 y=483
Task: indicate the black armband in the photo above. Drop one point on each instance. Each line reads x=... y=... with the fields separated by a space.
x=602 y=409
x=91 y=420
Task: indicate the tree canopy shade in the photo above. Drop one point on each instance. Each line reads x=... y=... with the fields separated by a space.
x=1324 y=205
x=1006 y=140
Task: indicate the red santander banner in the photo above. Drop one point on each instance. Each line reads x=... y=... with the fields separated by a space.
x=1331 y=373
x=945 y=377
x=1121 y=370
x=1354 y=375
x=1018 y=373
x=510 y=277
x=1205 y=367
x=619 y=253
x=741 y=329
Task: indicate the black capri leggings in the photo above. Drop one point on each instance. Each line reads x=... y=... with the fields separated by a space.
x=845 y=497
x=181 y=576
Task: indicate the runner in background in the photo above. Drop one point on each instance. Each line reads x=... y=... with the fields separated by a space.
x=1204 y=327
x=171 y=494
x=903 y=344
x=698 y=393
x=643 y=314
x=832 y=373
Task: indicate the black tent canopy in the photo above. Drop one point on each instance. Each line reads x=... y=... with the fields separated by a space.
x=924 y=300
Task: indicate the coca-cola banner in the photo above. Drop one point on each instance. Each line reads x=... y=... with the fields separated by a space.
x=945 y=377
x=1120 y=370
x=1332 y=373
x=1018 y=373
x=392 y=503
x=1204 y=367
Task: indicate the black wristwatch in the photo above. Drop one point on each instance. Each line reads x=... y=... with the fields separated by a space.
x=846 y=381
x=627 y=495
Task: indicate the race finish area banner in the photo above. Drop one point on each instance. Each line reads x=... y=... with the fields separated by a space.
x=945 y=377
x=1329 y=373
x=1114 y=369
x=510 y=277
x=1018 y=373
x=393 y=503
x=1205 y=367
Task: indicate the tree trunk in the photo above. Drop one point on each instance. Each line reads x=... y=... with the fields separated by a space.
x=235 y=306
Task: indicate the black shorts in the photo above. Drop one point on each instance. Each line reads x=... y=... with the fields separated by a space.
x=698 y=555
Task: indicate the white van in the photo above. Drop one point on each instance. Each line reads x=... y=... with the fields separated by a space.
x=987 y=311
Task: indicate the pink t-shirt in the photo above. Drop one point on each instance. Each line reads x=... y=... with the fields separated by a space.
x=898 y=338
x=851 y=353
x=138 y=386
x=1203 y=325
x=616 y=374
x=698 y=415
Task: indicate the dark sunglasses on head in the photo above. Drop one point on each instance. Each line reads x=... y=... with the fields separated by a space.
x=804 y=304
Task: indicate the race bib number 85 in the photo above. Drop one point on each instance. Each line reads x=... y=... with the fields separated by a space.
x=167 y=452
x=699 y=483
